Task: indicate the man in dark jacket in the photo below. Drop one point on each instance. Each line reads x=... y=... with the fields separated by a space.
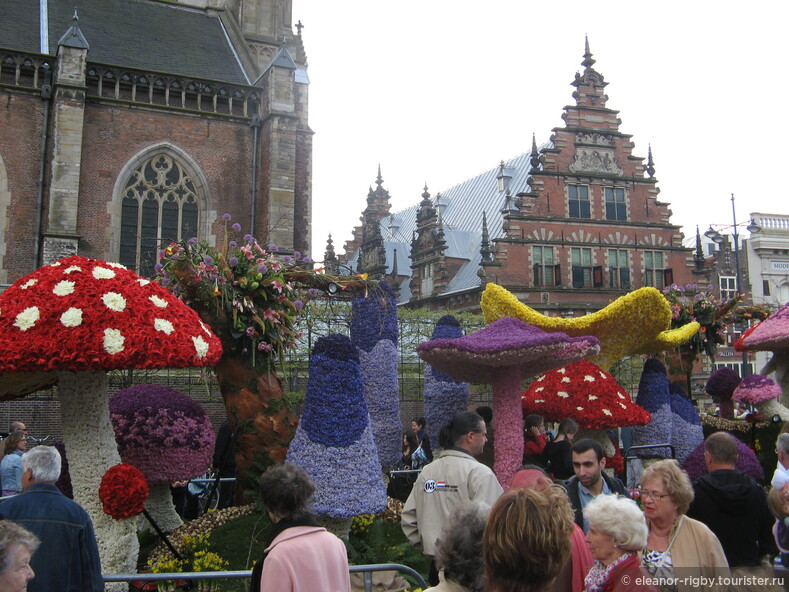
x=732 y=505
x=590 y=480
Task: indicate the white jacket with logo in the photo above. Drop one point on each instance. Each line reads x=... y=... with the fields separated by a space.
x=452 y=479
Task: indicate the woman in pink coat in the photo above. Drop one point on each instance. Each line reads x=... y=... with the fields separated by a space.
x=300 y=556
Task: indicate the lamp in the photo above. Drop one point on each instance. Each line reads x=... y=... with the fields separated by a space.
x=753 y=227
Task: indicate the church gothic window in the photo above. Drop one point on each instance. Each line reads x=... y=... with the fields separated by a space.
x=159 y=205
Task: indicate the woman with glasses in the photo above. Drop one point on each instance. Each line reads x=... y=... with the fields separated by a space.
x=677 y=546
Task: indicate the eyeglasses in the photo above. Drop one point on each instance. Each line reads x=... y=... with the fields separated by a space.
x=644 y=493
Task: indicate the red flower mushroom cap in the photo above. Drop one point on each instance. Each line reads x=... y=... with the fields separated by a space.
x=82 y=315
x=772 y=334
x=476 y=357
x=585 y=392
x=755 y=389
x=739 y=345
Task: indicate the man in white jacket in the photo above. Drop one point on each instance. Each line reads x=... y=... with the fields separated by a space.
x=454 y=478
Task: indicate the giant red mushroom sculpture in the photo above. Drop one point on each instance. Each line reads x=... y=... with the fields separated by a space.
x=79 y=318
x=772 y=334
x=502 y=354
x=589 y=395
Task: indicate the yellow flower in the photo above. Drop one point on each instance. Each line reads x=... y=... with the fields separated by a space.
x=637 y=322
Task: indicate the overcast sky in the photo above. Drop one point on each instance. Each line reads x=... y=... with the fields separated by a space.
x=439 y=91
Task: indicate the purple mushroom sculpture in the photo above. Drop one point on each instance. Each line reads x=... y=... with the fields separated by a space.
x=687 y=432
x=167 y=436
x=721 y=384
x=747 y=462
x=334 y=440
x=653 y=395
x=763 y=393
x=503 y=354
x=444 y=396
x=772 y=334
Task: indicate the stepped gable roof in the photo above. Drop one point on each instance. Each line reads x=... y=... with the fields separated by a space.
x=462 y=223
x=140 y=34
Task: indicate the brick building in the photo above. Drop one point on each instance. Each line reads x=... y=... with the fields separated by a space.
x=141 y=121
x=567 y=227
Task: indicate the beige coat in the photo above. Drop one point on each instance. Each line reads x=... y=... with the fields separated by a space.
x=453 y=478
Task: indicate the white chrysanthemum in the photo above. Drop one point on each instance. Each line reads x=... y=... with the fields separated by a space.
x=592 y=398
x=72 y=269
x=580 y=408
x=63 y=288
x=114 y=301
x=566 y=379
x=55 y=264
x=206 y=330
x=72 y=317
x=539 y=400
x=620 y=395
x=589 y=378
x=163 y=325
x=539 y=389
x=561 y=370
x=27 y=318
x=143 y=282
x=562 y=394
x=541 y=378
x=116 y=265
x=157 y=301
x=602 y=375
x=28 y=283
x=113 y=341
x=201 y=346
x=102 y=273
x=607 y=412
x=623 y=406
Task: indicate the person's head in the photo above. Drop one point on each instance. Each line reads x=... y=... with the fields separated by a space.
x=527 y=539
x=782 y=449
x=18 y=426
x=17 y=544
x=410 y=440
x=567 y=428
x=666 y=491
x=616 y=526
x=465 y=430
x=534 y=421
x=459 y=548
x=720 y=451
x=40 y=465
x=531 y=477
x=485 y=413
x=15 y=441
x=588 y=462
x=285 y=490
x=777 y=503
x=418 y=424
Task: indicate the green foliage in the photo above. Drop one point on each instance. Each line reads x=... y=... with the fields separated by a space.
x=374 y=540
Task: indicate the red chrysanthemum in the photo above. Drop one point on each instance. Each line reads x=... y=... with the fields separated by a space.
x=123 y=491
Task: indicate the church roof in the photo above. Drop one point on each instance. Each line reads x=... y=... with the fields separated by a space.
x=140 y=34
x=461 y=209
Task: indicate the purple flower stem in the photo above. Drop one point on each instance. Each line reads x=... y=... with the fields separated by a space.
x=508 y=453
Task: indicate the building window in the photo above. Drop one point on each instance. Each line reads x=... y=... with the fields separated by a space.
x=159 y=205
x=655 y=272
x=546 y=270
x=579 y=201
x=728 y=287
x=582 y=267
x=615 y=208
x=427 y=280
x=618 y=268
x=765 y=287
x=737 y=367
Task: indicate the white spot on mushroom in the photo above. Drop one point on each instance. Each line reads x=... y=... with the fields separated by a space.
x=102 y=273
x=580 y=408
x=561 y=370
x=542 y=377
x=565 y=379
x=55 y=264
x=72 y=317
x=623 y=406
x=589 y=378
x=562 y=394
x=114 y=301
x=201 y=346
x=27 y=318
x=602 y=375
x=163 y=325
x=116 y=265
x=28 y=283
x=72 y=269
x=539 y=400
x=143 y=282
x=206 y=330
x=592 y=398
x=113 y=341
x=539 y=389
x=63 y=288
x=607 y=412
x=160 y=302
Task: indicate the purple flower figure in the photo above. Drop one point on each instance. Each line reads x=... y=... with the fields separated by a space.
x=262 y=269
x=158 y=267
x=192 y=241
x=226 y=217
x=165 y=281
x=273 y=248
x=208 y=260
x=680 y=289
x=287 y=260
x=298 y=304
x=312 y=292
x=233 y=261
x=249 y=238
x=296 y=255
x=232 y=244
x=161 y=254
x=236 y=226
x=307 y=260
x=213 y=275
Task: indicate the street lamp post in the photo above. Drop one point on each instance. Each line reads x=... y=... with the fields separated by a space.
x=718 y=238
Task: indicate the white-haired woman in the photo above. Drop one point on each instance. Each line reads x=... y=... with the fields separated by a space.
x=17 y=544
x=617 y=531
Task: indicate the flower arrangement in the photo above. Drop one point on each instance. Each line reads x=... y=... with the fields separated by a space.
x=334 y=442
x=746 y=462
x=690 y=304
x=653 y=395
x=374 y=334
x=686 y=430
x=123 y=491
x=721 y=384
x=637 y=322
x=197 y=557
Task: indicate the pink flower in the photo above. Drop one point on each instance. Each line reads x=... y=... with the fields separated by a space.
x=247 y=250
x=278 y=285
x=271 y=315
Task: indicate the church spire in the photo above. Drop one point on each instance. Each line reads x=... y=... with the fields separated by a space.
x=379 y=180
x=589 y=61
x=485 y=250
x=534 y=160
x=650 y=164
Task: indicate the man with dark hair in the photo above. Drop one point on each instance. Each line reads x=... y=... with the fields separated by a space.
x=590 y=480
x=732 y=505
x=487 y=456
x=68 y=558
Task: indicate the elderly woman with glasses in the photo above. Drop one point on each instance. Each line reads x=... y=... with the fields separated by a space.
x=677 y=546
